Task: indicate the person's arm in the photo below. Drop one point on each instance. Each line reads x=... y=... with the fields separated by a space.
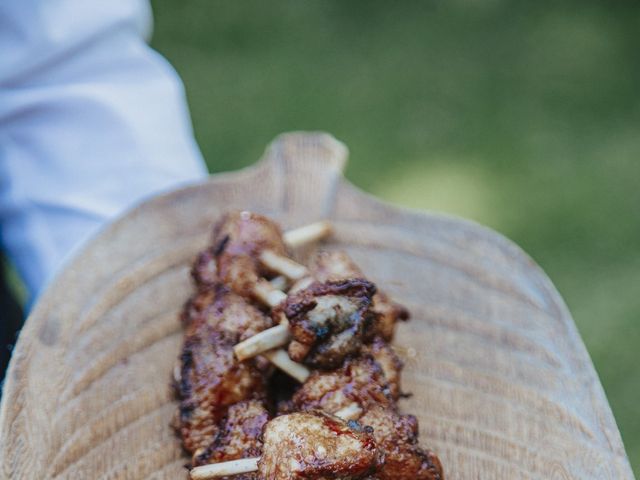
x=91 y=121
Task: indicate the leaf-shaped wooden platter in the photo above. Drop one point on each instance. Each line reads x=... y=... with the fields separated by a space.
x=501 y=381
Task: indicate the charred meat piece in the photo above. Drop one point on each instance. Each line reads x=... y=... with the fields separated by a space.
x=238 y=240
x=316 y=445
x=224 y=310
x=361 y=381
x=238 y=437
x=210 y=381
x=389 y=362
x=336 y=265
x=328 y=321
x=387 y=314
x=397 y=437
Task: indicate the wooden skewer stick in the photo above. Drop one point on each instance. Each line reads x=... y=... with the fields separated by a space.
x=301 y=284
x=283 y=265
x=309 y=233
x=267 y=294
x=266 y=340
x=350 y=412
x=222 y=469
x=246 y=465
x=280 y=358
x=279 y=283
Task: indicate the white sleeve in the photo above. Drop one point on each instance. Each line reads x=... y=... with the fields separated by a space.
x=91 y=121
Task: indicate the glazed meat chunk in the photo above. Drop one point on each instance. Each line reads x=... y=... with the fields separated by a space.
x=360 y=381
x=328 y=321
x=388 y=361
x=397 y=437
x=316 y=445
x=336 y=265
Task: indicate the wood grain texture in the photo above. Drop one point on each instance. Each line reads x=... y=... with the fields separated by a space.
x=501 y=382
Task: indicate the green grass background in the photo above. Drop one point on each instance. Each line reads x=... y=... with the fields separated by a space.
x=524 y=116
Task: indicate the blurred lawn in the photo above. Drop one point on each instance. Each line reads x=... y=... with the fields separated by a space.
x=524 y=116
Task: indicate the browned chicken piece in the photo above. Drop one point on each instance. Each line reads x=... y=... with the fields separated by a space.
x=315 y=445
x=238 y=437
x=238 y=240
x=328 y=321
x=211 y=380
x=224 y=310
x=336 y=265
x=361 y=381
x=397 y=437
x=390 y=363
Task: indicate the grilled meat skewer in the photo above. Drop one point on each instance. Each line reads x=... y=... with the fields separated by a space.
x=339 y=323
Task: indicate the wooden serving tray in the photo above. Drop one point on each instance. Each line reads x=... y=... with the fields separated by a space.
x=501 y=381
